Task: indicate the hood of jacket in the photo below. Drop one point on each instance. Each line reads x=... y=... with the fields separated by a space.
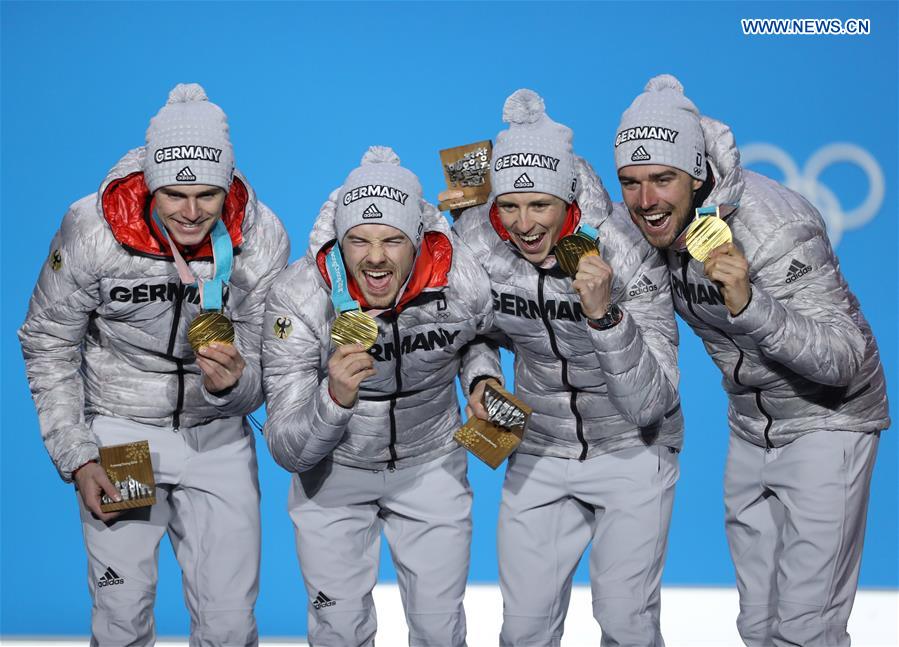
x=127 y=205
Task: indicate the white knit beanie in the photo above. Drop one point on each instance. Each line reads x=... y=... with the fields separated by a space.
x=380 y=192
x=662 y=127
x=188 y=142
x=534 y=155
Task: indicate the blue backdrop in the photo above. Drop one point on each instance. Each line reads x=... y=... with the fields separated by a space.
x=308 y=87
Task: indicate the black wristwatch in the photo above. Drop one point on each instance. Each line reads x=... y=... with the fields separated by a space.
x=609 y=320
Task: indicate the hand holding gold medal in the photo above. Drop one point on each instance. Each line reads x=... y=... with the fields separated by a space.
x=221 y=366
x=578 y=256
x=710 y=241
x=705 y=233
x=571 y=249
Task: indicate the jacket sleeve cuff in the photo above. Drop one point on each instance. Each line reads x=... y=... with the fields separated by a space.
x=617 y=339
x=76 y=457
x=479 y=360
x=222 y=398
x=481 y=378
x=241 y=398
x=759 y=316
x=331 y=413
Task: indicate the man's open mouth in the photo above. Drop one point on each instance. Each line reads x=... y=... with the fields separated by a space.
x=531 y=242
x=377 y=280
x=657 y=220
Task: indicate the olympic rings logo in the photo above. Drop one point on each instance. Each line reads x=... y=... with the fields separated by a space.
x=807 y=182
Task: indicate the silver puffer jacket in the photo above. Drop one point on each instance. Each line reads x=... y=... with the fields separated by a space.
x=593 y=392
x=801 y=356
x=408 y=412
x=106 y=330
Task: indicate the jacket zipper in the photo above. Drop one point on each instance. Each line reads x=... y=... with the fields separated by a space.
x=398 y=376
x=555 y=349
x=685 y=262
x=179 y=363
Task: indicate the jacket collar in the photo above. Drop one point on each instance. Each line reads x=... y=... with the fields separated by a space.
x=128 y=207
x=430 y=271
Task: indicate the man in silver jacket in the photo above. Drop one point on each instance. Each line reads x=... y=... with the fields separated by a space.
x=799 y=363
x=108 y=361
x=369 y=434
x=596 y=359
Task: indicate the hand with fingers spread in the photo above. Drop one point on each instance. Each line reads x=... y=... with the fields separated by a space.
x=348 y=366
x=92 y=483
x=593 y=283
x=221 y=364
x=727 y=267
x=475 y=406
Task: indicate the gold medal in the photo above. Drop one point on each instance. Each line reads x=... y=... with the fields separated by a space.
x=354 y=327
x=705 y=234
x=570 y=249
x=210 y=327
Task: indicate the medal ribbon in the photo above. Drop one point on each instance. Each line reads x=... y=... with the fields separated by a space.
x=720 y=210
x=222 y=265
x=340 y=293
x=586 y=230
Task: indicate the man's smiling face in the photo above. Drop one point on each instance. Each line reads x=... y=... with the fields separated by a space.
x=534 y=221
x=659 y=199
x=380 y=258
x=189 y=211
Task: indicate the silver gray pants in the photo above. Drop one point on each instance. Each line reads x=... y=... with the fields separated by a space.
x=552 y=508
x=424 y=511
x=795 y=525
x=207 y=500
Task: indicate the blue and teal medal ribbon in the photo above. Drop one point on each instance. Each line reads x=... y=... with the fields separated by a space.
x=352 y=326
